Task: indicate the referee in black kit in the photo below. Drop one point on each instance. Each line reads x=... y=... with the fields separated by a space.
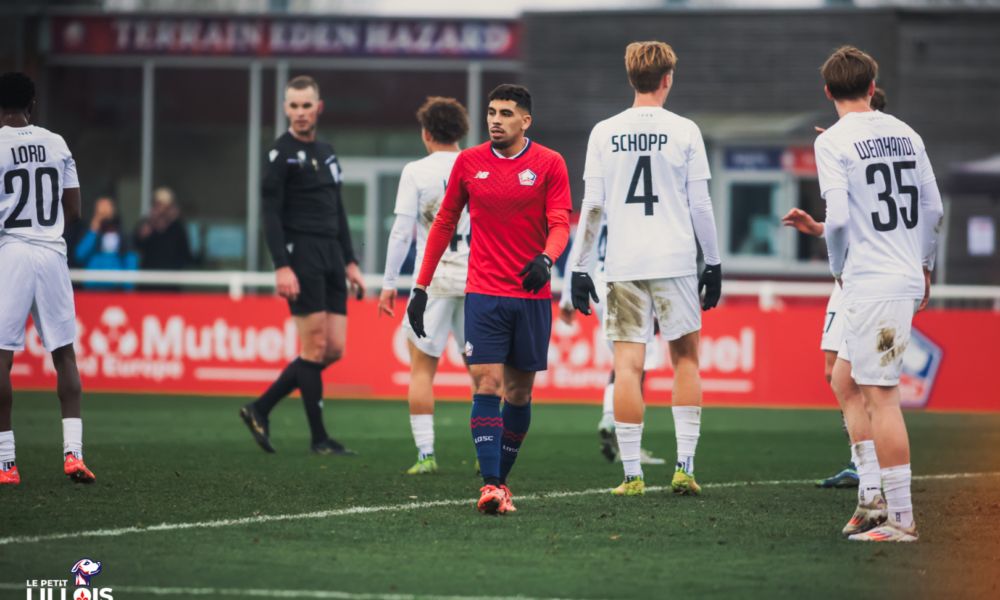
x=306 y=230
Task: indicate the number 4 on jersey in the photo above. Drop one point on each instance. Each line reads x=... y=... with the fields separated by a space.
x=644 y=169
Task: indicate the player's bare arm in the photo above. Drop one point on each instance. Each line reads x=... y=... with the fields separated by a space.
x=286 y=283
x=356 y=280
x=71 y=205
x=803 y=222
x=386 y=302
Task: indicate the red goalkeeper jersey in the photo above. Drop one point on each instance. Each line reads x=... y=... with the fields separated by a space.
x=519 y=207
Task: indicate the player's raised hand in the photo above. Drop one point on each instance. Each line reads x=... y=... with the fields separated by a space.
x=536 y=273
x=803 y=221
x=356 y=280
x=711 y=282
x=415 y=311
x=287 y=283
x=386 y=302
x=582 y=291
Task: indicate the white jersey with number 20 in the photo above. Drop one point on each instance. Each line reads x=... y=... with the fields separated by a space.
x=645 y=157
x=881 y=163
x=35 y=167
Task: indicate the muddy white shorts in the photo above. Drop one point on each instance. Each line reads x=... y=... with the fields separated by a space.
x=632 y=305
x=654 y=354
x=876 y=335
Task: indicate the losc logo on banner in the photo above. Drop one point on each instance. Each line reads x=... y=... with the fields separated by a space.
x=921 y=362
x=82 y=589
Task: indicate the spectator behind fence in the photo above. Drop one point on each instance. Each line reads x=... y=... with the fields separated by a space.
x=162 y=239
x=103 y=246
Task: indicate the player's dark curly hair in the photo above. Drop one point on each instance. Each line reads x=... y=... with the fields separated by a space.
x=509 y=91
x=878 y=100
x=444 y=118
x=17 y=91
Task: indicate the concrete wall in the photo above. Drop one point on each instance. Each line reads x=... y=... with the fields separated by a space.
x=941 y=69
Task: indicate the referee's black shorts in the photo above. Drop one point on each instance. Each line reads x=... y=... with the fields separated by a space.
x=318 y=263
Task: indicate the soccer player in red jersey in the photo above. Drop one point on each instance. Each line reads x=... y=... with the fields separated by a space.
x=519 y=202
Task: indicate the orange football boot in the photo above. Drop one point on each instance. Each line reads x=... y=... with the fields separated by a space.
x=10 y=476
x=508 y=500
x=76 y=470
x=491 y=500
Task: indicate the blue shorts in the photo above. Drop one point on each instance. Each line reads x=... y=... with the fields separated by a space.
x=509 y=331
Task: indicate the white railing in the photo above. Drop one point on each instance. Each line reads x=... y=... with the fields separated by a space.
x=768 y=293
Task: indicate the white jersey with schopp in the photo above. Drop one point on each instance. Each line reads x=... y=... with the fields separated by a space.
x=35 y=167
x=421 y=190
x=645 y=157
x=881 y=163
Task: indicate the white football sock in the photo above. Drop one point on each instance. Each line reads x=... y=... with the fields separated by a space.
x=896 y=481
x=687 y=425
x=423 y=433
x=73 y=437
x=629 y=442
x=854 y=456
x=608 y=414
x=6 y=449
x=870 y=476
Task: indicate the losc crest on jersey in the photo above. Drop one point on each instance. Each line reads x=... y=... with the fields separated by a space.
x=527 y=177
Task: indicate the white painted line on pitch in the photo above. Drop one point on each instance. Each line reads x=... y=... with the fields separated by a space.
x=363 y=510
x=264 y=593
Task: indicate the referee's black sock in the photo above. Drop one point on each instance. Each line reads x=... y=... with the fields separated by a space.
x=311 y=386
x=285 y=384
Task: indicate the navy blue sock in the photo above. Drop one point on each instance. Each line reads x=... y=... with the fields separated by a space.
x=487 y=427
x=516 y=420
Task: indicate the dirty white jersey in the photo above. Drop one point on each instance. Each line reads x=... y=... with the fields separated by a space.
x=35 y=167
x=645 y=157
x=421 y=190
x=882 y=163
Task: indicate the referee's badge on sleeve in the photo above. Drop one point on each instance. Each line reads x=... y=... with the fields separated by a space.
x=273 y=154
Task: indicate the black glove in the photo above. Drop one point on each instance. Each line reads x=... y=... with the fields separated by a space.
x=536 y=273
x=415 y=311
x=711 y=283
x=582 y=291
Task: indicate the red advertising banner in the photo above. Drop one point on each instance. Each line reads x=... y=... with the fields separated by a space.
x=210 y=344
x=268 y=36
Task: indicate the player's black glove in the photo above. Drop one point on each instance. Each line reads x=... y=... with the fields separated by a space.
x=711 y=283
x=582 y=290
x=536 y=273
x=415 y=311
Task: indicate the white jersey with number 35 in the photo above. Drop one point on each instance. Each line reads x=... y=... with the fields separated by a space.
x=35 y=167
x=881 y=163
x=645 y=157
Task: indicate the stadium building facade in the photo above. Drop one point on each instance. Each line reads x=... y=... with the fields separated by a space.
x=193 y=101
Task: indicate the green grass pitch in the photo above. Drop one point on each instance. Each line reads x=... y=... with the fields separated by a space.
x=165 y=459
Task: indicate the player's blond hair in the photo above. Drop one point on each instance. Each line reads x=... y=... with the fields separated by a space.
x=646 y=63
x=849 y=73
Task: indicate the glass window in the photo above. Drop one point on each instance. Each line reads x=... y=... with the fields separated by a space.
x=387 y=187
x=372 y=113
x=753 y=226
x=99 y=112
x=200 y=151
x=353 y=197
x=807 y=247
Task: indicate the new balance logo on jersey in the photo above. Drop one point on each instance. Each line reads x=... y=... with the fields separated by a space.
x=527 y=177
x=482 y=175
